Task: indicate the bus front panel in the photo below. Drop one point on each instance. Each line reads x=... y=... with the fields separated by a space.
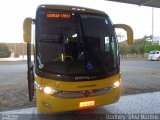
x=102 y=92
x=76 y=55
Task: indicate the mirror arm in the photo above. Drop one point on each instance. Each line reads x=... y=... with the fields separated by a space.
x=129 y=31
x=29 y=55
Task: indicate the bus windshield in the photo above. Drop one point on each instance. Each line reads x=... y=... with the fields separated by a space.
x=75 y=44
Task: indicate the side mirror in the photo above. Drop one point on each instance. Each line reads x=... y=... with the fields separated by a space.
x=27 y=24
x=129 y=31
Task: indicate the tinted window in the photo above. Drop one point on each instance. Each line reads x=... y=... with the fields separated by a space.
x=78 y=45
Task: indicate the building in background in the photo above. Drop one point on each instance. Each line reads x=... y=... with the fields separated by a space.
x=156 y=40
x=17 y=49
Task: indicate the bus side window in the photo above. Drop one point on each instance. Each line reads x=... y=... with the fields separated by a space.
x=107 y=44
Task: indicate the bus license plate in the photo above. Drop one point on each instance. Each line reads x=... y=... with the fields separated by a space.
x=86 y=104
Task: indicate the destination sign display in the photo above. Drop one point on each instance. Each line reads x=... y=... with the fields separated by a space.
x=59 y=15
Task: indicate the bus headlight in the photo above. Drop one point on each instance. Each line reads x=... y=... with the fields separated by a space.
x=48 y=90
x=116 y=84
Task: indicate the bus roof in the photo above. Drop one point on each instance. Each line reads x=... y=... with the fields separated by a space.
x=71 y=8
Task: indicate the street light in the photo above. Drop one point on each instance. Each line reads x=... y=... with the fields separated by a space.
x=152 y=24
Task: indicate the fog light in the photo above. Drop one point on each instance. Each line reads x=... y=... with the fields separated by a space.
x=47 y=105
x=48 y=90
x=116 y=84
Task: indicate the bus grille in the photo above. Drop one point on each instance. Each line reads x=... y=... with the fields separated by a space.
x=81 y=94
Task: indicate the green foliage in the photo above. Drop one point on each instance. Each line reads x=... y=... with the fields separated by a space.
x=133 y=49
x=140 y=46
x=123 y=49
x=149 y=48
x=4 y=51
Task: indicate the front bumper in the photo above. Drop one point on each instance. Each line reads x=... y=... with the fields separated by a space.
x=49 y=103
x=152 y=58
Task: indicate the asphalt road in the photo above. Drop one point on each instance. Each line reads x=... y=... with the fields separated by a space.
x=138 y=76
x=13 y=73
x=131 y=107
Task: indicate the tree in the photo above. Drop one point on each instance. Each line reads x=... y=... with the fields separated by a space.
x=4 y=51
x=123 y=49
x=133 y=49
x=149 y=48
x=140 y=44
x=137 y=48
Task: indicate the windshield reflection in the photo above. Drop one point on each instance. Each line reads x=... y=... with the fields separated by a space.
x=80 y=45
